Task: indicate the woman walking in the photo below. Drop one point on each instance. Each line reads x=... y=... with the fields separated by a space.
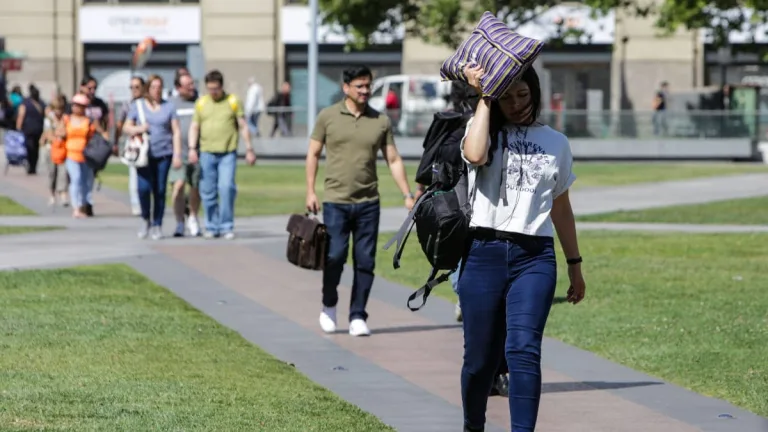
x=156 y=117
x=522 y=171
x=138 y=87
x=76 y=130
x=56 y=153
x=29 y=121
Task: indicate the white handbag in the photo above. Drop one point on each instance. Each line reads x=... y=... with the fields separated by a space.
x=136 y=150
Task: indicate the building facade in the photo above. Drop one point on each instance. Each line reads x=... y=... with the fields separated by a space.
x=618 y=67
x=67 y=39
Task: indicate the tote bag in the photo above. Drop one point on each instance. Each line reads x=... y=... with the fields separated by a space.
x=136 y=151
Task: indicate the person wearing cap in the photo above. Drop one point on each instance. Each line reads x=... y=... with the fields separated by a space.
x=76 y=130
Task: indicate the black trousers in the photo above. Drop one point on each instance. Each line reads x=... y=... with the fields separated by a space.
x=32 y=142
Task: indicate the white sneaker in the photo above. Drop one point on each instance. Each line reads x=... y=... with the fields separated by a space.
x=328 y=319
x=457 y=311
x=229 y=236
x=358 y=327
x=156 y=233
x=136 y=211
x=209 y=235
x=143 y=230
x=193 y=226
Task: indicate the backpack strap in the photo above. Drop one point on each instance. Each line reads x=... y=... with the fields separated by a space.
x=200 y=103
x=406 y=227
x=427 y=288
x=232 y=99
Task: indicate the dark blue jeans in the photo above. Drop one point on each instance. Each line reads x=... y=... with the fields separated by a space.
x=506 y=292
x=153 y=180
x=362 y=221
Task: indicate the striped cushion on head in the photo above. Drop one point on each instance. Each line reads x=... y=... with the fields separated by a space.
x=503 y=54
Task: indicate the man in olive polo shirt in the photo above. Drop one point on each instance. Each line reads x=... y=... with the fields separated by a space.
x=217 y=119
x=353 y=134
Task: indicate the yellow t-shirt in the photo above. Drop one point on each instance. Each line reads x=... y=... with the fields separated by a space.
x=218 y=123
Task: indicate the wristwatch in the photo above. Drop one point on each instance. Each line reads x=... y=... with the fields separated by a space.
x=408 y=195
x=574 y=261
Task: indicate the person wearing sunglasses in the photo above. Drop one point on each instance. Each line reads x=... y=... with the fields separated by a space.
x=137 y=87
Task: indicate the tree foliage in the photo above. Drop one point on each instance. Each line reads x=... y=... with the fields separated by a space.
x=447 y=22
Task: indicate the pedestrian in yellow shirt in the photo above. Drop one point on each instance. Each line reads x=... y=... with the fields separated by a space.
x=217 y=120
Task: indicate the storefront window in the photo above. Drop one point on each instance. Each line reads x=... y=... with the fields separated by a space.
x=754 y=74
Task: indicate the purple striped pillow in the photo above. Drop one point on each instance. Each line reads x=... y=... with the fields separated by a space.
x=503 y=54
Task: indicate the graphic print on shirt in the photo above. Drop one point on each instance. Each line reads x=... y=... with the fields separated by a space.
x=94 y=113
x=526 y=166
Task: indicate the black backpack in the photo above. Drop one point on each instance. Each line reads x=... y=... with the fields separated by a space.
x=441 y=161
x=443 y=212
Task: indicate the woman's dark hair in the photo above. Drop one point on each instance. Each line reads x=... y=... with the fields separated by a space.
x=16 y=89
x=463 y=97
x=498 y=120
x=34 y=93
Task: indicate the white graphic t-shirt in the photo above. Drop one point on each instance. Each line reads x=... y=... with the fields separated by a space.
x=538 y=170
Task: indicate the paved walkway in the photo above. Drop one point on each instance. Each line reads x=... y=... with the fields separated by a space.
x=407 y=373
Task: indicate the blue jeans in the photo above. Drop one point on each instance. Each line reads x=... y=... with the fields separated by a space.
x=362 y=221
x=80 y=183
x=506 y=292
x=253 y=123
x=152 y=181
x=217 y=182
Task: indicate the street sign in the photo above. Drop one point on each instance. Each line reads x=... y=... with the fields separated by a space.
x=11 y=64
x=11 y=61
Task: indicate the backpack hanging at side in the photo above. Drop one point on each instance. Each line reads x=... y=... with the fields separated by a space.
x=442 y=226
x=442 y=217
x=442 y=213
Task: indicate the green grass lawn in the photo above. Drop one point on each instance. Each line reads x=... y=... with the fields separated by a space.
x=272 y=189
x=104 y=349
x=9 y=207
x=269 y=189
x=9 y=230
x=690 y=309
x=747 y=211
x=622 y=173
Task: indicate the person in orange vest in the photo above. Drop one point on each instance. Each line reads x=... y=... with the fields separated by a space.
x=76 y=130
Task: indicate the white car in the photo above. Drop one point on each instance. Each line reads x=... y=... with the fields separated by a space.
x=419 y=97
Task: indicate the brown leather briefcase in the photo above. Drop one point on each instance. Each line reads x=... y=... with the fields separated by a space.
x=308 y=242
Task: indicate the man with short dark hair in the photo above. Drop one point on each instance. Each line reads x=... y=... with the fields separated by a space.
x=353 y=134
x=218 y=117
x=98 y=110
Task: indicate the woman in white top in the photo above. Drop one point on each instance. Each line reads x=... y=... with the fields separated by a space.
x=522 y=171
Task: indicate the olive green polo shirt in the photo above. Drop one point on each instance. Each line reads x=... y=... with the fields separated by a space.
x=352 y=145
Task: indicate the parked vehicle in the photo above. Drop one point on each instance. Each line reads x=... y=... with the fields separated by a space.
x=410 y=100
